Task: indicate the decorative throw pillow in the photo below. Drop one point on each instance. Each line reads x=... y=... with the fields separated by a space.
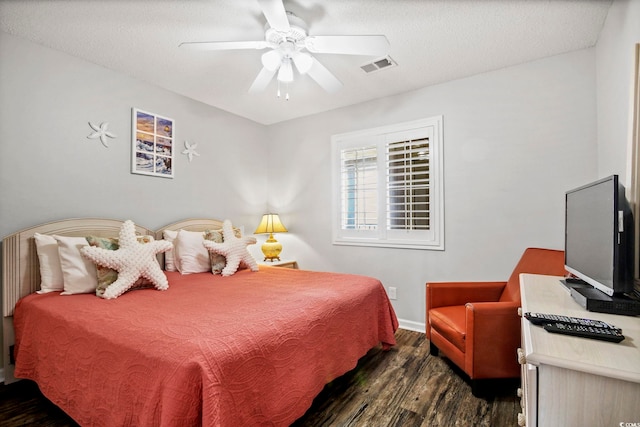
x=51 y=278
x=105 y=275
x=217 y=260
x=131 y=260
x=191 y=256
x=234 y=250
x=79 y=274
x=169 y=256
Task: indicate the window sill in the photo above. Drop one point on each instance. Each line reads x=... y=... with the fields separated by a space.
x=430 y=246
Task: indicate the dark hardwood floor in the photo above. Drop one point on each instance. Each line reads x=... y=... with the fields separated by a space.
x=402 y=387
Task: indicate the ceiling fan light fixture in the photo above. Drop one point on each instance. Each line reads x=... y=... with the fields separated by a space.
x=271 y=60
x=286 y=36
x=285 y=73
x=303 y=62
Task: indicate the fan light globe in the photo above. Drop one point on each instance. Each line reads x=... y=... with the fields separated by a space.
x=285 y=73
x=271 y=60
x=303 y=62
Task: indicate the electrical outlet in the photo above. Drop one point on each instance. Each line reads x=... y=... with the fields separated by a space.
x=393 y=293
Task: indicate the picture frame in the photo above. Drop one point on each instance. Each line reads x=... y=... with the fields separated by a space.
x=152 y=144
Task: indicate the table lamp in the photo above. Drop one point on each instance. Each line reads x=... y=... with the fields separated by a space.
x=271 y=224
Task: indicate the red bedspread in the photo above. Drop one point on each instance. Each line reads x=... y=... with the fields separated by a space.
x=247 y=350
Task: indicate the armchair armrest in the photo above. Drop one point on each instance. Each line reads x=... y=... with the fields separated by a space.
x=493 y=334
x=442 y=294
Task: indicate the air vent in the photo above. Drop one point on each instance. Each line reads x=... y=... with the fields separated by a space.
x=378 y=64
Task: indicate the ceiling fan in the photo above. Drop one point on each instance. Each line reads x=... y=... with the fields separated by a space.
x=290 y=45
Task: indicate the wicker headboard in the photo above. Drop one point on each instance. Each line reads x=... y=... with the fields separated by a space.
x=20 y=270
x=192 y=224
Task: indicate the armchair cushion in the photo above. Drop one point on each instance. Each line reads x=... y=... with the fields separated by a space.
x=450 y=323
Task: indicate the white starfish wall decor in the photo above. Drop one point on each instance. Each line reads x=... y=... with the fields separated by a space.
x=190 y=150
x=102 y=133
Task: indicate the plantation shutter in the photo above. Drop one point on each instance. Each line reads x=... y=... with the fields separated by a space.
x=407 y=171
x=388 y=186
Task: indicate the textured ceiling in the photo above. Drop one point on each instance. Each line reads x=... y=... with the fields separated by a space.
x=432 y=41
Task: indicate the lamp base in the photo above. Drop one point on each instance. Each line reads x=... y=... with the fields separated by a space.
x=271 y=249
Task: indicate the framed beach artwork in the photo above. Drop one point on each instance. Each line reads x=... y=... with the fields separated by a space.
x=152 y=144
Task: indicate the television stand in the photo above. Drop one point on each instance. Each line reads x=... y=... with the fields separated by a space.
x=594 y=300
x=570 y=283
x=573 y=381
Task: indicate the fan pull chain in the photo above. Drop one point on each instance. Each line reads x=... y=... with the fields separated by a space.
x=286 y=91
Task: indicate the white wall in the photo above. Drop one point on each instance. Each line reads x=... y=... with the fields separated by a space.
x=514 y=141
x=615 y=56
x=49 y=169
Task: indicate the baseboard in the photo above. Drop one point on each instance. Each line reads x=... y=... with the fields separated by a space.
x=412 y=326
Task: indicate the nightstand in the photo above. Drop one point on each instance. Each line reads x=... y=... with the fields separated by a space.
x=287 y=263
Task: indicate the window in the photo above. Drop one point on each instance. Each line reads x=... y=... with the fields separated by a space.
x=388 y=186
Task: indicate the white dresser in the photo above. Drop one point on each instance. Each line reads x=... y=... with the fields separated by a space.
x=572 y=381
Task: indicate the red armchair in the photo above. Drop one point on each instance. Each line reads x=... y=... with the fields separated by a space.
x=476 y=324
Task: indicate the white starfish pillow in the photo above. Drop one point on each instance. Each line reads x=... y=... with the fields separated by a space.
x=234 y=249
x=131 y=260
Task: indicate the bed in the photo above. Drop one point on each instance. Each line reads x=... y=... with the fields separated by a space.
x=250 y=349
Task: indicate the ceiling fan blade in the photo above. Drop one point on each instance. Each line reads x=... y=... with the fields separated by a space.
x=225 y=45
x=348 y=45
x=263 y=79
x=324 y=77
x=276 y=15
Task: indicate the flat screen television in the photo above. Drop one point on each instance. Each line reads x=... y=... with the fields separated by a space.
x=599 y=237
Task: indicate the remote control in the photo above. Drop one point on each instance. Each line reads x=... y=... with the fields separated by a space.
x=542 y=319
x=592 y=332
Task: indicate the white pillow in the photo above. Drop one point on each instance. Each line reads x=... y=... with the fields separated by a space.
x=190 y=255
x=78 y=272
x=50 y=271
x=169 y=256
